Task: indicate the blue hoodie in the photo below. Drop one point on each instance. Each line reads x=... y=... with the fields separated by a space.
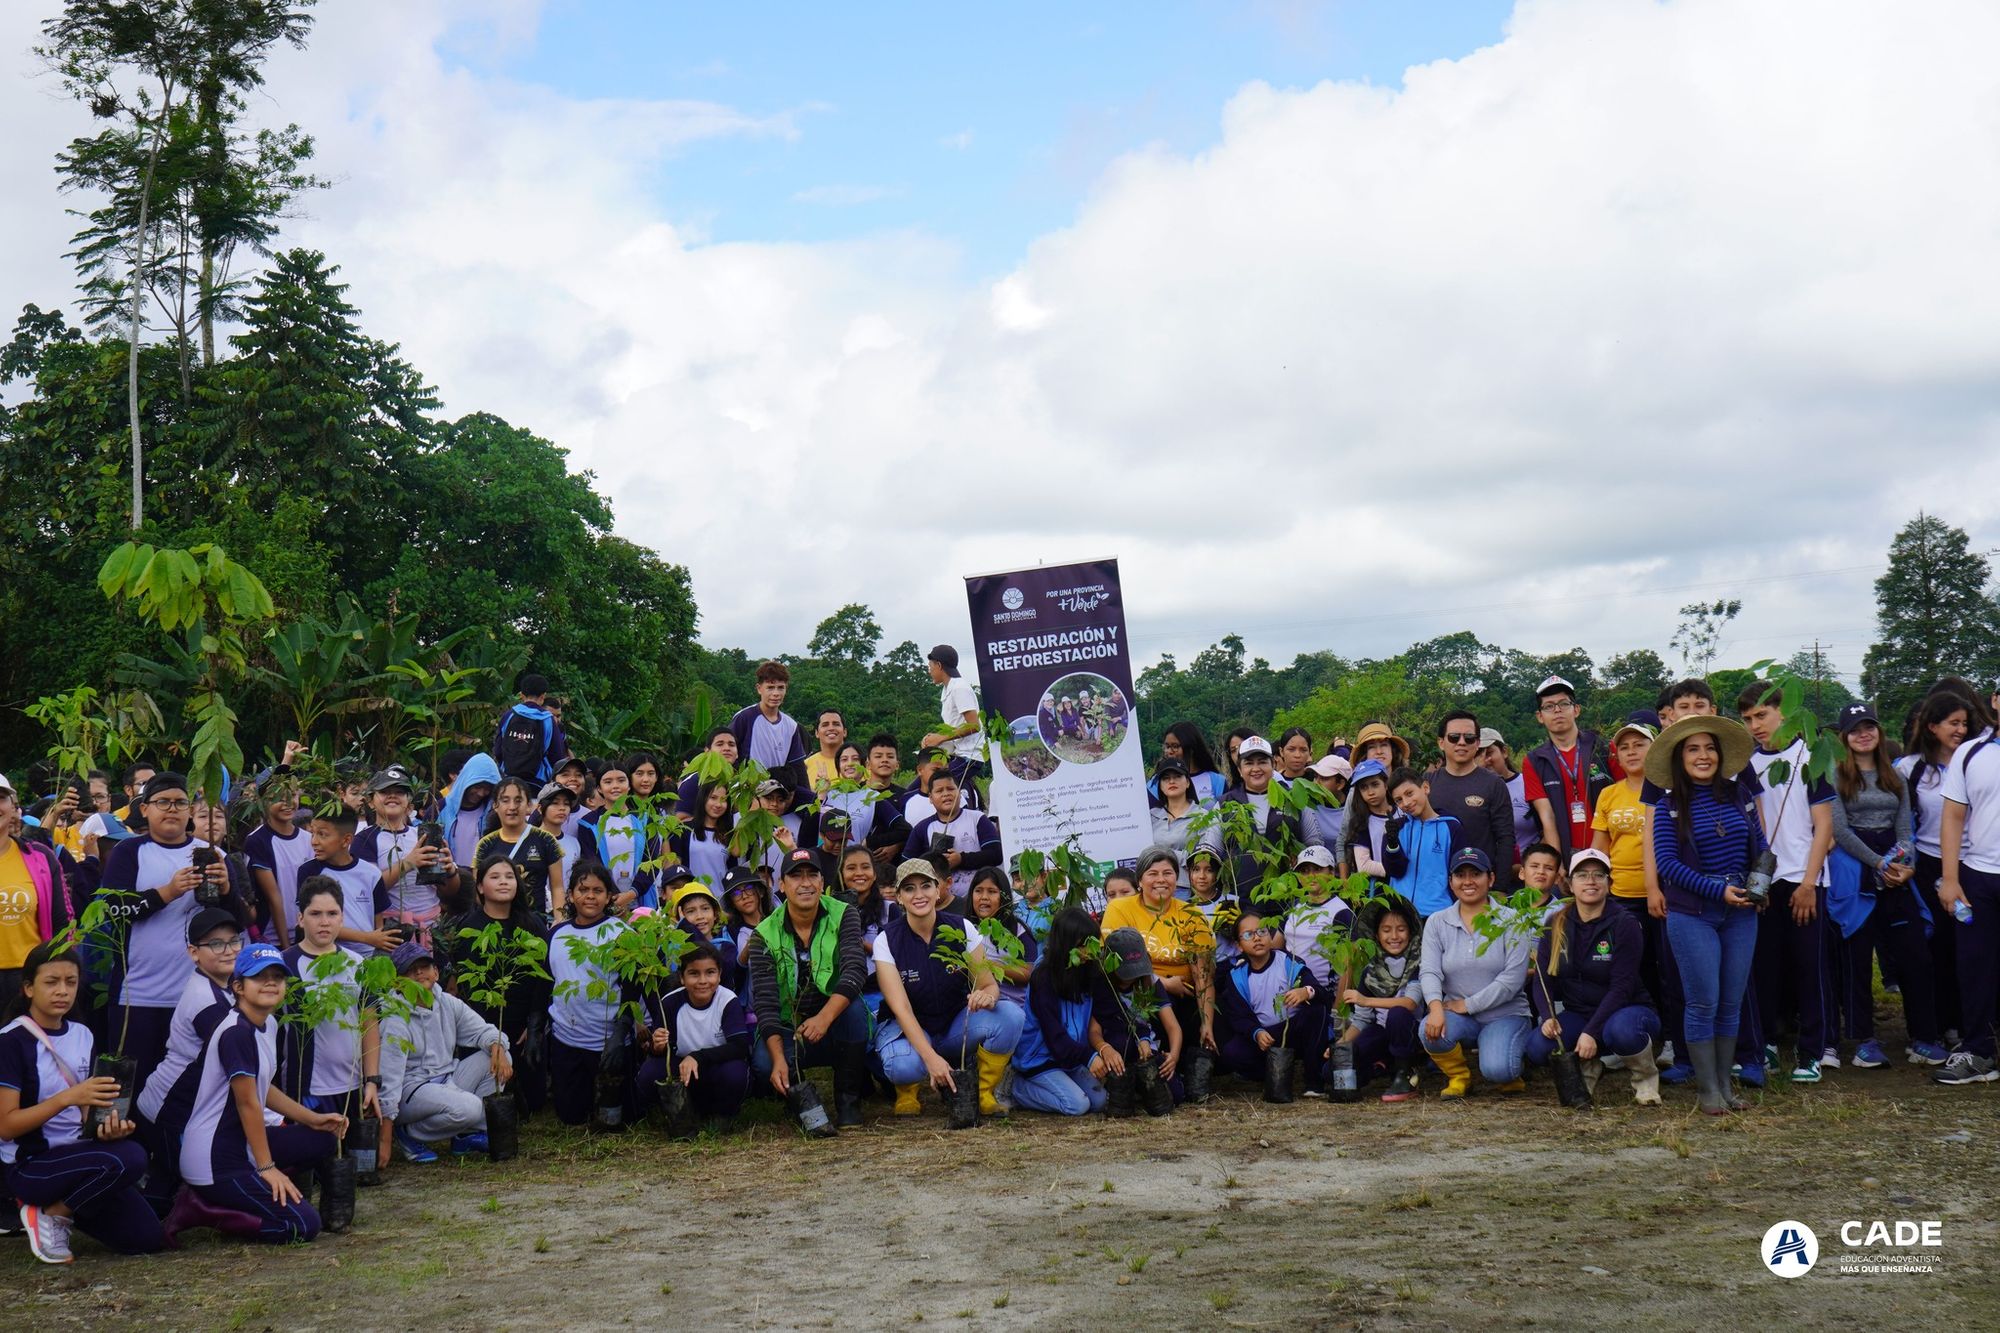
x=480 y=768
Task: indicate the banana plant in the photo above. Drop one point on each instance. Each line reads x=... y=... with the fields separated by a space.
x=310 y=669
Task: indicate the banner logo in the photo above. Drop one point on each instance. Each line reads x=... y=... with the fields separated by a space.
x=1790 y=1249
x=1012 y=599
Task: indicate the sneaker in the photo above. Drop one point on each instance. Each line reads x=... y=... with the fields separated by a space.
x=10 y=1218
x=48 y=1235
x=1750 y=1076
x=1868 y=1055
x=1400 y=1088
x=1674 y=1075
x=412 y=1151
x=1951 y=1039
x=1315 y=1091
x=1771 y=1056
x=1806 y=1074
x=1927 y=1053
x=1891 y=988
x=1963 y=1067
x=1829 y=1058
x=467 y=1143
x=1666 y=1056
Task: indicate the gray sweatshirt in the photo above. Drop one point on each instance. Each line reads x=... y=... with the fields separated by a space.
x=1491 y=984
x=1874 y=809
x=425 y=1045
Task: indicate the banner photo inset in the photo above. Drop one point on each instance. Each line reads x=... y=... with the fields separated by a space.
x=1054 y=663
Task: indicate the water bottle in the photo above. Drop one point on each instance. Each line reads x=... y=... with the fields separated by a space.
x=1757 y=884
x=1902 y=855
x=1962 y=910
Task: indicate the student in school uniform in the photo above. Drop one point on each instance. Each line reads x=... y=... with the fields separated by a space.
x=1791 y=933
x=63 y=1180
x=619 y=840
x=466 y=810
x=703 y=842
x=699 y=1035
x=1266 y=998
x=720 y=741
x=1588 y=962
x=214 y=939
x=1364 y=823
x=151 y=883
x=1942 y=724
x=581 y=1025
x=364 y=896
x=766 y=734
x=537 y=856
x=429 y=1091
x=960 y=736
x=969 y=839
x=336 y=1064
x=1384 y=998
x=1969 y=838
x=276 y=849
x=389 y=843
x=232 y=1156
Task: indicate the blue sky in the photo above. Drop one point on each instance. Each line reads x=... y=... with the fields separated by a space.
x=981 y=125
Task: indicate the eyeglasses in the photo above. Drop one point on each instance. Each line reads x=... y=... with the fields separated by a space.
x=234 y=944
x=1558 y=705
x=158 y=804
x=1462 y=737
x=1255 y=933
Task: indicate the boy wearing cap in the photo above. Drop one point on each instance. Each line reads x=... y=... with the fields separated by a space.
x=150 y=883
x=961 y=737
x=1473 y=794
x=766 y=734
x=214 y=938
x=427 y=1090
x=232 y=1156
x=389 y=843
x=1562 y=776
x=806 y=970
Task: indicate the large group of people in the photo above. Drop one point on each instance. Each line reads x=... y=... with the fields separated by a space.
x=200 y=1034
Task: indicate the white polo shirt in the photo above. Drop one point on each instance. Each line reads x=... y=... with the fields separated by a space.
x=1973 y=780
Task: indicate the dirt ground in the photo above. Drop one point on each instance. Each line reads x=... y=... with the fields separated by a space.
x=1495 y=1211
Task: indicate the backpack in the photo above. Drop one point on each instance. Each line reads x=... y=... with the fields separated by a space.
x=523 y=748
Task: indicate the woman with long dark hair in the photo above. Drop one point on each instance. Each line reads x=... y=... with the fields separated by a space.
x=1943 y=722
x=1184 y=741
x=1063 y=1053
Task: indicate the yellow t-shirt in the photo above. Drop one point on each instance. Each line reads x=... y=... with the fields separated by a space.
x=1172 y=938
x=20 y=929
x=820 y=772
x=1620 y=815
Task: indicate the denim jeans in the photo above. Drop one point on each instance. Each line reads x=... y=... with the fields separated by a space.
x=1627 y=1032
x=850 y=1027
x=1713 y=949
x=994 y=1030
x=1500 y=1041
x=1059 y=1091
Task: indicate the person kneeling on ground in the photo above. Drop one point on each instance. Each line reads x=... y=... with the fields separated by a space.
x=1268 y=998
x=1589 y=961
x=938 y=1003
x=1063 y=1054
x=429 y=1092
x=63 y=1179
x=1383 y=1002
x=238 y=1165
x=1473 y=987
x=806 y=971
x=700 y=1038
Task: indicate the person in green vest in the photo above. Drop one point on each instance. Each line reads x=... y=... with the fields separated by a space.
x=807 y=968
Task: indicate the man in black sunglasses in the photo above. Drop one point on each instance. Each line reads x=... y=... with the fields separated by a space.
x=1474 y=794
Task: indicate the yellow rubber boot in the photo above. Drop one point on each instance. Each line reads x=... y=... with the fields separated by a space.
x=906 y=1100
x=1512 y=1085
x=992 y=1068
x=1457 y=1078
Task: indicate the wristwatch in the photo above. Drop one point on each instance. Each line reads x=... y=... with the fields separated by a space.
x=374 y=1080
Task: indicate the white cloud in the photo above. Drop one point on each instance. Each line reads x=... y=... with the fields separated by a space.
x=1647 y=296
x=958 y=142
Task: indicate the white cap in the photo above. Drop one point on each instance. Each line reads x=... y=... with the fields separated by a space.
x=1555 y=683
x=1331 y=765
x=1490 y=737
x=1253 y=745
x=1315 y=856
x=1589 y=854
x=5 y=785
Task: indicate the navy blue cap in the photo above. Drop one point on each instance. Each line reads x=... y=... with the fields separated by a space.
x=1471 y=856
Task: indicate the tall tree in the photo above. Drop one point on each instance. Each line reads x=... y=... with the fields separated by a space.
x=166 y=78
x=1699 y=636
x=1935 y=615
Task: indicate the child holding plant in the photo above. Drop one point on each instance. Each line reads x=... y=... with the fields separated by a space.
x=1063 y=1054
x=585 y=994
x=1268 y=998
x=1383 y=1002
x=699 y=1036
x=990 y=902
x=213 y=942
x=1308 y=923
x=335 y=1063
x=235 y=1162
x=1178 y=940
x=511 y=963
x=428 y=1089
x=1204 y=872
x=618 y=840
x=62 y=1179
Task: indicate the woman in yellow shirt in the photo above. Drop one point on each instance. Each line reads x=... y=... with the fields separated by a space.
x=1619 y=824
x=1178 y=940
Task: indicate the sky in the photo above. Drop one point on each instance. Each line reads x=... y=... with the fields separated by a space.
x=1341 y=325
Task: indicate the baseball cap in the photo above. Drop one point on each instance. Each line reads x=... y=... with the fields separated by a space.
x=5 y=785
x=208 y=919
x=1473 y=857
x=798 y=860
x=1589 y=854
x=1315 y=856
x=257 y=958
x=771 y=787
x=1555 y=685
x=916 y=865
x=1169 y=764
x=1252 y=745
x=1854 y=715
x=1490 y=737
x=835 y=819
x=554 y=789
x=945 y=656
x=1128 y=946
x=671 y=877
x=1330 y=766
x=409 y=953
x=395 y=775
x=1369 y=768
x=1648 y=732
x=741 y=877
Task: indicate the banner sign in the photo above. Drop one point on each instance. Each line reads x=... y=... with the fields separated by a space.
x=1053 y=662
